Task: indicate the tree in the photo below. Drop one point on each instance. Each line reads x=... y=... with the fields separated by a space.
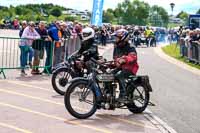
x=32 y=12
x=70 y=18
x=18 y=10
x=132 y=12
x=158 y=16
x=183 y=15
x=56 y=12
x=108 y=16
x=198 y=12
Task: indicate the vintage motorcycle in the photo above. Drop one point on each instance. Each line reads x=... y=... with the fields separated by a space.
x=75 y=66
x=64 y=72
x=100 y=91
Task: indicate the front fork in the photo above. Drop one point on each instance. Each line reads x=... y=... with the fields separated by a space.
x=92 y=84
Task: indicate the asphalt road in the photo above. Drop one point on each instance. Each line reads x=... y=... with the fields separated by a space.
x=176 y=92
x=30 y=105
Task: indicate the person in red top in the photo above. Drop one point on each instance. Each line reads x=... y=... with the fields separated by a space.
x=16 y=24
x=125 y=58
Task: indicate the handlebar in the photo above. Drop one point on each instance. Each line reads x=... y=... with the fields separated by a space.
x=105 y=67
x=102 y=64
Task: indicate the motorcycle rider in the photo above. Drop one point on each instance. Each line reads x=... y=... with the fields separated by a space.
x=87 y=44
x=88 y=49
x=136 y=36
x=149 y=34
x=125 y=58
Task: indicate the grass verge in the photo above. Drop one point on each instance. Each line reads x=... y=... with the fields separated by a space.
x=174 y=51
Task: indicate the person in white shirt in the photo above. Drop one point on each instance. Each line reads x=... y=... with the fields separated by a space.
x=28 y=36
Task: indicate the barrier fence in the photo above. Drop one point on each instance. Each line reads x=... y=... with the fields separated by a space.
x=18 y=53
x=191 y=51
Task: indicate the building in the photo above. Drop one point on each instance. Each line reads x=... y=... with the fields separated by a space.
x=175 y=20
x=85 y=15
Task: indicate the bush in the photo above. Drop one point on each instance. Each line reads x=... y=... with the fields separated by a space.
x=56 y=12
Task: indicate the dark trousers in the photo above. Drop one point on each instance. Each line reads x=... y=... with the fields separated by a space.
x=121 y=76
x=103 y=40
x=49 y=55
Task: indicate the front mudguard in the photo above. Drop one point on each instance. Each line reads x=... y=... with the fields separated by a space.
x=60 y=66
x=142 y=80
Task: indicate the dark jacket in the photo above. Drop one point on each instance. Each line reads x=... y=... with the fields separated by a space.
x=89 y=46
x=21 y=32
x=125 y=50
x=39 y=44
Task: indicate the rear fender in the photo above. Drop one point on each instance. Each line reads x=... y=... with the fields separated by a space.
x=142 y=80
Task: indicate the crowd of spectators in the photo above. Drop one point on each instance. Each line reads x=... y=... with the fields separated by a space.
x=9 y=24
x=36 y=39
x=41 y=37
x=190 y=44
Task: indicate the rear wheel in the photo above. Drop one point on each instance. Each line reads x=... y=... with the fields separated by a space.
x=139 y=98
x=80 y=100
x=60 y=80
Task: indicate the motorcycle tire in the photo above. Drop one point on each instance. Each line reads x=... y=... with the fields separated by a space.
x=133 y=107
x=74 y=111
x=62 y=82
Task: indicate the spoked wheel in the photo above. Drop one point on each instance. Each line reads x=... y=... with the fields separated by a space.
x=139 y=99
x=80 y=100
x=60 y=80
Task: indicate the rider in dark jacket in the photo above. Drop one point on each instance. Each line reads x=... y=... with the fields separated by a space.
x=87 y=44
x=125 y=57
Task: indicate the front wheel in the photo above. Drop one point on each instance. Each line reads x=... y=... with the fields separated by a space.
x=60 y=80
x=80 y=100
x=139 y=98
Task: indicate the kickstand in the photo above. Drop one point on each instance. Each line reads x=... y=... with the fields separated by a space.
x=151 y=104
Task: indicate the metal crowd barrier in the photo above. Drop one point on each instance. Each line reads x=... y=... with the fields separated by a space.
x=191 y=51
x=40 y=53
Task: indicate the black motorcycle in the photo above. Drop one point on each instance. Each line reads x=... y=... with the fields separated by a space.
x=75 y=66
x=100 y=91
x=65 y=71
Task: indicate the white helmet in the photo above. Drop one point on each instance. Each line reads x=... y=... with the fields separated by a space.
x=88 y=33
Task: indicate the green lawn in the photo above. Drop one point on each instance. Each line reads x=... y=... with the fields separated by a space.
x=174 y=51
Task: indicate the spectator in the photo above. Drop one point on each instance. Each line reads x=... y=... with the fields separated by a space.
x=182 y=42
x=56 y=36
x=29 y=34
x=198 y=34
x=24 y=25
x=65 y=35
x=103 y=36
x=30 y=51
x=16 y=24
x=38 y=46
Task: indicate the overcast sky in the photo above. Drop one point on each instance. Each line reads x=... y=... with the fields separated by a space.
x=191 y=6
